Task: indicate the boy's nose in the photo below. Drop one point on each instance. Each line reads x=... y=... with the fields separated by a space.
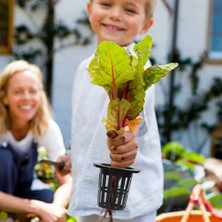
x=115 y=13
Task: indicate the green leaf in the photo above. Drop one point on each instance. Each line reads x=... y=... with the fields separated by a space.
x=111 y=68
x=117 y=110
x=136 y=89
x=187 y=184
x=154 y=73
x=137 y=97
x=194 y=157
x=173 y=150
x=3 y=216
x=172 y=176
x=216 y=201
x=176 y=191
x=122 y=75
x=142 y=50
x=71 y=219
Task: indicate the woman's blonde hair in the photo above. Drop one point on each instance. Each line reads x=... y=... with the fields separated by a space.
x=39 y=123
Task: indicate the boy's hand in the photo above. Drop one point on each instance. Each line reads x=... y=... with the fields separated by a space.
x=123 y=149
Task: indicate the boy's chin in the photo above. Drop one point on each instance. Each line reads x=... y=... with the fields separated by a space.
x=116 y=40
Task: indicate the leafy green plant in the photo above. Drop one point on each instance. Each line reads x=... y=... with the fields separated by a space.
x=181 y=175
x=125 y=79
x=45 y=171
x=71 y=219
x=175 y=152
x=178 y=183
x=216 y=200
x=3 y=216
x=35 y=42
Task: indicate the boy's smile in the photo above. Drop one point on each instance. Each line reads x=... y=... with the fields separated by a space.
x=118 y=20
x=112 y=27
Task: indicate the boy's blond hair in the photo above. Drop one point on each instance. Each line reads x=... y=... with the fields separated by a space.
x=149 y=9
x=39 y=123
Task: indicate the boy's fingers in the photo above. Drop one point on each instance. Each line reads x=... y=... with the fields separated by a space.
x=124 y=148
x=124 y=156
x=122 y=164
x=123 y=138
x=112 y=134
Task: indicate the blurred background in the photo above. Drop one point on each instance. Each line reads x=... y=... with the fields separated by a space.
x=56 y=36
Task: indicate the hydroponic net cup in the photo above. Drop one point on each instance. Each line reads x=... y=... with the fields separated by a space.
x=113 y=186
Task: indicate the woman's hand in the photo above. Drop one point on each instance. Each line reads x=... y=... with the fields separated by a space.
x=48 y=212
x=66 y=159
x=123 y=149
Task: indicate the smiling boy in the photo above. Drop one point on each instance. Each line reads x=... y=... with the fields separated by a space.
x=120 y=21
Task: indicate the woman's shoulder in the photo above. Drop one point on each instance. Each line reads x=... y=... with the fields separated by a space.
x=52 y=131
x=53 y=127
x=52 y=138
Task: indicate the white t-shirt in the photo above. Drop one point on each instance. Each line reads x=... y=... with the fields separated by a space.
x=52 y=141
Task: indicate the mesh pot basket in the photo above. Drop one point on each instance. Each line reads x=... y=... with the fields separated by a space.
x=113 y=186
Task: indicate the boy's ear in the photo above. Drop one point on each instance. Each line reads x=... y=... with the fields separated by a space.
x=88 y=7
x=147 y=26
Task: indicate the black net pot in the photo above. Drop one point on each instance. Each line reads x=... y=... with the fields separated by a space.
x=113 y=187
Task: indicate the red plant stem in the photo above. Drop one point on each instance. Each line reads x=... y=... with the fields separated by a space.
x=126 y=90
x=114 y=90
x=107 y=211
x=124 y=121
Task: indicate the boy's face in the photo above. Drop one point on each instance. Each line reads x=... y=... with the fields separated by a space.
x=118 y=20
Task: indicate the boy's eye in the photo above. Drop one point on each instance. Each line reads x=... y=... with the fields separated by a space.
x=106 y=4
x=130 y=10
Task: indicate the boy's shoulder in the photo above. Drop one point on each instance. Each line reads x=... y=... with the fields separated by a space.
x=85 y=62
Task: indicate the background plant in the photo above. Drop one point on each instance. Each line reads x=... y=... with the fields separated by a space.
x=183 y=169
x=180 y=118
x=36 y=43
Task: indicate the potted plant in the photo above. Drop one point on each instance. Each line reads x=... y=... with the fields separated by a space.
x=124 y=77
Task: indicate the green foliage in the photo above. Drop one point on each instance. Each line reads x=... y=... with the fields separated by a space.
x=44 y=171
x=71 y=219
x=174 y=151
x=180 y=176
x=125 y=79
x=173 y=118
x=3 y=216
x=35 y=42
x=178 y=184
x=216 y=201
x=25 y=35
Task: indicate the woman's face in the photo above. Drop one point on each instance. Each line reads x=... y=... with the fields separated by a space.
x=23 y=96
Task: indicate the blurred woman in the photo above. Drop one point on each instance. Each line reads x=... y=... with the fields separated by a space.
x=25 y=125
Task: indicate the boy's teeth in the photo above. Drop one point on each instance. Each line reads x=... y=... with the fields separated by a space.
x=114 y=27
